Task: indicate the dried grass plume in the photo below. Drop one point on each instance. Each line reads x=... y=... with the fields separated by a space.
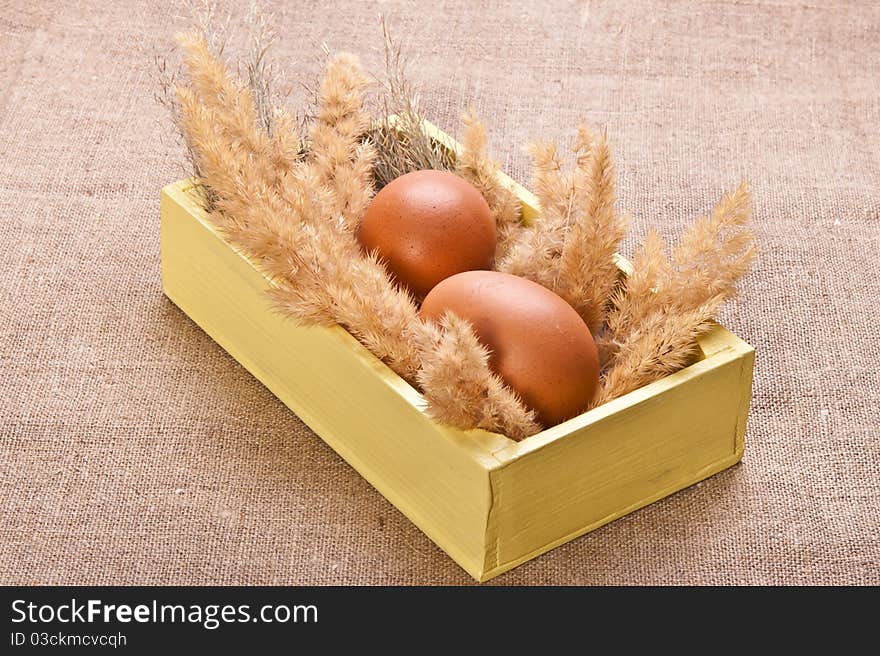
x=474 y=165
x=300 y=233
x=462 y=391
x=664 y=306
x=571 y=248
x=402 y=143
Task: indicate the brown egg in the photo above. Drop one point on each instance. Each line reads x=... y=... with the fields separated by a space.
x=427 y=226
x=540 y=346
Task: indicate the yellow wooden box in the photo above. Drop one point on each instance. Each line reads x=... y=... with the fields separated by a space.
x=487 y=501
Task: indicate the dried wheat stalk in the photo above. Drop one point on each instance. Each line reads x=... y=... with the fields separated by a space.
x=664 y=342
x=663 y=307
x=339 y=157
x=587 y=270
x=166 y=81
x=474 y=165
x=300 y=234
x=462 y=391
x=716 y=251
x=402 y=144
x=535 y=251
x=285 y=140
x=279 y=135
x=571 y=248
x=260 y=72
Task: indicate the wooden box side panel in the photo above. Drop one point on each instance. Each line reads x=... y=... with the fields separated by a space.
x=426 y=471
x=625 y=460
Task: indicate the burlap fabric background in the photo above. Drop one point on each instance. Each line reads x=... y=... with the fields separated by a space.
x=134 y=450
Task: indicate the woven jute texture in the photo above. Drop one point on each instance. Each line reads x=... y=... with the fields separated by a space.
x=134 y=450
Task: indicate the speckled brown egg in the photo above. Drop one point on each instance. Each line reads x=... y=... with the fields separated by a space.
x=427 y=226
x=539 y=345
